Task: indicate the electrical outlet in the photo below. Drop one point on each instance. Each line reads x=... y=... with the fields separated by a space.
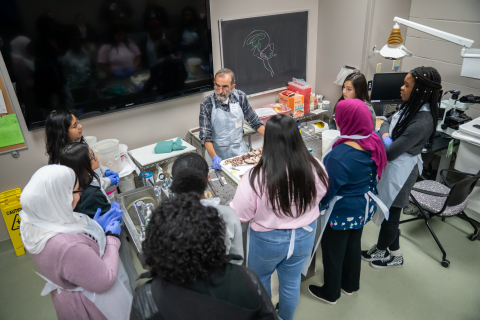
x=396 y=63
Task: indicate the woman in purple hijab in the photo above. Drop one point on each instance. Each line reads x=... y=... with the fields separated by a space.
x=353 y=164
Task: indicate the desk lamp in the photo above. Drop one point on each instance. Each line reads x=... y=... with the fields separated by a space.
x=395 y=50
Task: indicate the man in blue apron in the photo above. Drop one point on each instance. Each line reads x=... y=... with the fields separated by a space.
x=221 y=119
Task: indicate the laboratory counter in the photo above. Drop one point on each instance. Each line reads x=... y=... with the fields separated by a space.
x=220 y=185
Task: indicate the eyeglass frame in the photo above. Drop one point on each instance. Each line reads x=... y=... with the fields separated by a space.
x=224 y=88
x=75 y=125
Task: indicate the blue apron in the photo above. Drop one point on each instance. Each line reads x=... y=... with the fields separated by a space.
x=228 y=130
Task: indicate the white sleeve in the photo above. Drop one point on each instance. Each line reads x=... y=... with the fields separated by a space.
x=105 y=182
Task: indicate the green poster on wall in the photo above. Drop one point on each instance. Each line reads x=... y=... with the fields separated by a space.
x=10 y=132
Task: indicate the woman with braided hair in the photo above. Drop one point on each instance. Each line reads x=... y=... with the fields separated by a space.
x=404 y=135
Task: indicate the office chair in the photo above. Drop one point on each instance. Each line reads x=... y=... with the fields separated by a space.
x=435 y=199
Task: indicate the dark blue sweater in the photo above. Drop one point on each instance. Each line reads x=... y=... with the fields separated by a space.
x=351 y=173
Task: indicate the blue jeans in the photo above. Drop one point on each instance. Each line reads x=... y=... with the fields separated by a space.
x=268 y=251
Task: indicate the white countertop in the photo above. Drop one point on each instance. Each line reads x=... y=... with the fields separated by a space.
x=146 y=155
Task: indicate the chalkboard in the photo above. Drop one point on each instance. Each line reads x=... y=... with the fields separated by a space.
x=265 y=52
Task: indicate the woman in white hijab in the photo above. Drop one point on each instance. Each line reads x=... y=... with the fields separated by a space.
x=76 y=255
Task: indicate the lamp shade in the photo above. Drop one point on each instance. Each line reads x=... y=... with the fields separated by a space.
x=394 y=49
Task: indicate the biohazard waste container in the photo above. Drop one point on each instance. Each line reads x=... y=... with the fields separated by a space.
x=10 y=208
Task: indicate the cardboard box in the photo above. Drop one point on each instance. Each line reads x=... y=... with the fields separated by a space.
x=294 y=102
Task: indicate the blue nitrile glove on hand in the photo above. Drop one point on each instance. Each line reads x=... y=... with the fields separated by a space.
x=114 y=227
x=115 y=205
x=113 y=214
x=216 y=162
x=387 y=140
x=113 y=176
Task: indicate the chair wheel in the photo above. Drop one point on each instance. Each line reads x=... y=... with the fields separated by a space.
x=445 y=263
x=472 y=237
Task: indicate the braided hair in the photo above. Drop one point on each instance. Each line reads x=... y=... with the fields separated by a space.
x=427 y=88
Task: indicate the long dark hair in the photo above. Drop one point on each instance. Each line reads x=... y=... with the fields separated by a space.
x=56 y=133
x=284 y=149
x=184 y=241
x=359 y=84
x=77 y=157
x=427 y=88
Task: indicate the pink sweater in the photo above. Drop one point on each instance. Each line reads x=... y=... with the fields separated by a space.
x=71 y=261
x=250 y=207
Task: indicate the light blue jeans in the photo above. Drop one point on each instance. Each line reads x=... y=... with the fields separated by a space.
x=268 y=251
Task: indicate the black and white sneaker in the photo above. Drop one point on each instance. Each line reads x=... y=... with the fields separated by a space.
x=390 y=262
x=347 y=293
x=374 y=254
x=316 y=291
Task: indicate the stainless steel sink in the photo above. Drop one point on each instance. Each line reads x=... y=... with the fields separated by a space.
x=130 y=217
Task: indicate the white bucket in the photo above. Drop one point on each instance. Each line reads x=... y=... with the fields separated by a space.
x=327 y=137
x=194 y=65
x=127 y=183
x=108 y=153
x=123 y=148
x=90 y=140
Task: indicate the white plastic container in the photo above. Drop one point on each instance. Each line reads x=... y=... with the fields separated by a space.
x=90 y=140
x=108 y=153
x=148 y=178
x=325 y=105
x=327 y=137
x=468 y=154
x=123 y=149
x=318 y=126
x=127 y=183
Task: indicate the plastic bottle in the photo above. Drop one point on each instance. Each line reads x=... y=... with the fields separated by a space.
x=312 y=102
x=160 y=175
x=319 y=101
x=148 y=216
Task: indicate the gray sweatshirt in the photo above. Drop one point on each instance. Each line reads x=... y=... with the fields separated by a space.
x=411 y=141
x=414 y=137
x=233 y=232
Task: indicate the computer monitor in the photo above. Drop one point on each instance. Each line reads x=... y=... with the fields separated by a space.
x=386 y=87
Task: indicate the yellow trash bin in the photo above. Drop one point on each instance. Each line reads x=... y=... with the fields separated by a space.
x=10 y=207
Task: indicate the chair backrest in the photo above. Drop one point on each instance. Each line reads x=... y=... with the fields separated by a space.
x=461 y=190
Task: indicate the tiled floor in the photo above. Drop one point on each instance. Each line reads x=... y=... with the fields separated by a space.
x=422 y=289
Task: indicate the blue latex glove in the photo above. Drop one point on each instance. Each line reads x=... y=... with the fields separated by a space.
x=114 y=227
x=115 y=205
x=387 y=140
x=109 y=173
x=113 y=214
x=113 y=176
x=216 y=162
